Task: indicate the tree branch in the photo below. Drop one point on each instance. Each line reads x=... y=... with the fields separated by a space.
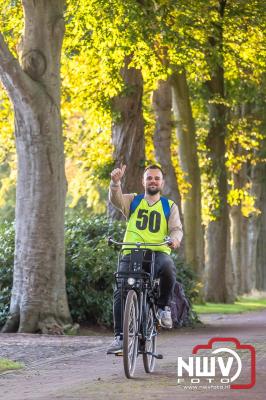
x=17 y=83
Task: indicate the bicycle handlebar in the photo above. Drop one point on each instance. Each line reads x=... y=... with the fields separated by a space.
x=167 y=241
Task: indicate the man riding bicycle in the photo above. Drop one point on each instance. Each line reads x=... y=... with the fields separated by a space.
x=150 y=219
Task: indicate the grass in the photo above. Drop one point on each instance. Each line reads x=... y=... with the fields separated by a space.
x=6 y=365
x=243 y=304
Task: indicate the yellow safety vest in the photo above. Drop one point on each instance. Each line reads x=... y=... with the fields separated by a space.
x=148 y=224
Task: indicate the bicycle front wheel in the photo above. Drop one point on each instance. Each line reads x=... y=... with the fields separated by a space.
x=150 y=342
x=130 y=333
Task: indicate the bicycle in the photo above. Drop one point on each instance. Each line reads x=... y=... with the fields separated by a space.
x=139 y=292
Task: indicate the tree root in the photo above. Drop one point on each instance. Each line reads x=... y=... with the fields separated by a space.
x=49 y=326
x=12 y=324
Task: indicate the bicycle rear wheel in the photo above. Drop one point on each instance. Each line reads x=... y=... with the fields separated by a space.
x=130 y=333
x=150 y=343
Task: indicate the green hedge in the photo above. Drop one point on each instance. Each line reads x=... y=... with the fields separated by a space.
x=7 y=239
x=90 y=265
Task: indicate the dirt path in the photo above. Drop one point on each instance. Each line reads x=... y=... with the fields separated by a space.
x=75 y=368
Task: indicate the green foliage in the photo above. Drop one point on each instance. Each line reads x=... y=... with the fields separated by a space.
x=90 y=265
x=187 y=277
x=159 y=37
x=11 y=22
x=7 y=240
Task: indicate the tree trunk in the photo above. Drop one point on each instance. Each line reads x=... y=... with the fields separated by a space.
x=245 y=230
x=217 y=230
x=39 y=301
x=193 y=231
x=261 y=245
x=128 y=132
x=252 y=231
x=238 y=232
x=219 y=274
x=162 y=105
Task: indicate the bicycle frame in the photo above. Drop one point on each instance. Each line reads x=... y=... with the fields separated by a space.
x=142 y=284
x=138 y=305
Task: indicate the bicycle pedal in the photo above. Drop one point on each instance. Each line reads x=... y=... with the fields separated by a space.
x=158 y=356
x=119 y=354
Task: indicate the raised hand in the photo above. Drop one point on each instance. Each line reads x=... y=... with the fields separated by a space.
x=174 y=244
x=118 y=173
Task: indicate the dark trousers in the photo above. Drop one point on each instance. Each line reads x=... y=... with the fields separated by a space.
x=164 y=269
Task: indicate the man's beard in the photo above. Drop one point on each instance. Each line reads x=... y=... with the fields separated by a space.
x=154 y=191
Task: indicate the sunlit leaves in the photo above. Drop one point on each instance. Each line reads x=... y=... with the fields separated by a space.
x=7 y=148
x=243 y=198
x=6 y=128
x=11 y=22
x=244 y=38
x=243 y=142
